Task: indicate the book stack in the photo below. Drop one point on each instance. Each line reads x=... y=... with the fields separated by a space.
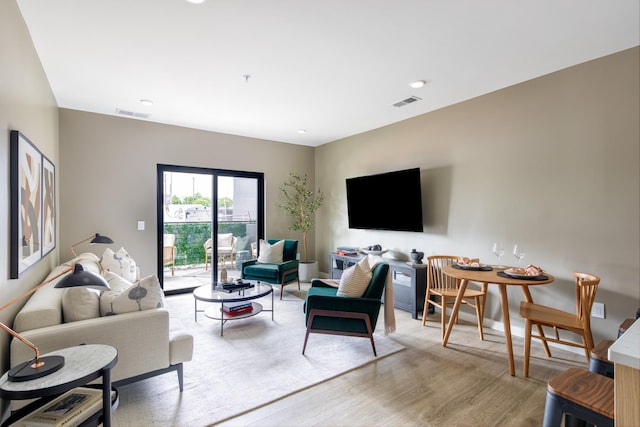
x=347 y=251
x=233 y=309
x=68 y=410
x=230 y=287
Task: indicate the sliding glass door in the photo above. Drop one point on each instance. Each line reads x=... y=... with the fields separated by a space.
x=207 y=219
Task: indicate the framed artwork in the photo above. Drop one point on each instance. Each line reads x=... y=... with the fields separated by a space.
x=48 y=206
x=29 y=209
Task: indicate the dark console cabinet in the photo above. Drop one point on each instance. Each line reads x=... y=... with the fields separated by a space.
x=409 y=281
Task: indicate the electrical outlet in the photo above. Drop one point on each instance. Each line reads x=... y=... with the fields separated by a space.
x=597 y=310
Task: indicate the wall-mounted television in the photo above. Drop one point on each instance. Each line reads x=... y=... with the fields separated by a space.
x=386 y=201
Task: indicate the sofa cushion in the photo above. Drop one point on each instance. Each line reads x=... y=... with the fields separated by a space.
x=44 y=307
x=224 y=240
x=266 y=271
x=270 y=253
x=116 y=283
x=120 y=263
x=144 y=295
x=80 y=304
x=355 y=279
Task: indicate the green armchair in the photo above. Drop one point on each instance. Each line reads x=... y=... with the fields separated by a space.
x=278 y=274
x=327 y=313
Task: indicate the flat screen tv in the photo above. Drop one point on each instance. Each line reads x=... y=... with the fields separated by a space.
x=386 y=201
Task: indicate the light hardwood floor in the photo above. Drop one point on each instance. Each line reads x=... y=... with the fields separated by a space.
x=465 y=384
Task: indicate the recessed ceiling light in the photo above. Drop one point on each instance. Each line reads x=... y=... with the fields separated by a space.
x=302 y=131
x=417 y=84
x=196 y=1
x=146 y=102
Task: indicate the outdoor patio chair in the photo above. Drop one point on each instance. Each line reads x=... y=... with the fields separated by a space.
x=169 y=251
x=226 y=248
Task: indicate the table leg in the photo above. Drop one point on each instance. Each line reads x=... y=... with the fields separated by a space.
x=454 y=312
x=195 y=310
x=273 y=308
x=504 y=303
x=221 y=321
x=106 y=397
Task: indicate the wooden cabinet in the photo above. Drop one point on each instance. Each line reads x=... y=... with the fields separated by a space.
x=409 y=281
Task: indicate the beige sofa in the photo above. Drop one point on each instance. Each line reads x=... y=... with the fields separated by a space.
x=148 y=342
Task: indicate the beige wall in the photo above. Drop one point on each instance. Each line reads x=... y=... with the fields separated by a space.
x=108 y=176
x=27 y=105
x=552 y=163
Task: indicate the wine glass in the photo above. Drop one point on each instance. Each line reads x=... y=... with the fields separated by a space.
x=519 y=252
x=498 y=250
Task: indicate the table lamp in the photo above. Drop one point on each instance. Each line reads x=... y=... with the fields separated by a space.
x=42 y=366
x=95 y=238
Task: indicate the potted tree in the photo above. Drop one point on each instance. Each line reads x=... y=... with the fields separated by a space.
x=300 y=204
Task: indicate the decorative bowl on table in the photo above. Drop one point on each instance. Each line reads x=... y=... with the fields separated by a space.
x=373 y=250
x=416 y=256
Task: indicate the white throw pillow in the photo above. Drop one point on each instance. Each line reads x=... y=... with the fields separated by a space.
x=80 y=303
x=355 y=280
x=271 y=254
x=116 y=283
x=144 y=295
x=120 y=263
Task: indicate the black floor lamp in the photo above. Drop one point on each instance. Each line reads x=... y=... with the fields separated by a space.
x=95 y=238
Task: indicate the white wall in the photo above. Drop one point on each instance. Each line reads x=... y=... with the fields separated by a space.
x=552 y=163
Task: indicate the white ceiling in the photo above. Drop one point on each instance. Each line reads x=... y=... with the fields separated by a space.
x=332 y=67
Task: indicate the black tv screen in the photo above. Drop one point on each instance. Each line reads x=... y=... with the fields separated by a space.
x=386 y=201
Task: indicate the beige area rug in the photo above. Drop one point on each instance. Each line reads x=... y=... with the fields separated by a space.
x=256 y=362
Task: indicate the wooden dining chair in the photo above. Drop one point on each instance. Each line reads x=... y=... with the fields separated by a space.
x=446 y=288
x=169 y=251
x=579 y=322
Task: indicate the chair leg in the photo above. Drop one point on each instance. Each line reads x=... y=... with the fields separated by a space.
x=479 y=317
x=306 y=336
x=425 y=311
x=443 y=316
x=552 y=411
x=588 y=344
x=544 y=341
x=373 y=344
x=206 y=261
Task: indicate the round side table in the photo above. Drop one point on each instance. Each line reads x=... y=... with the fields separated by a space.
x=83 y=364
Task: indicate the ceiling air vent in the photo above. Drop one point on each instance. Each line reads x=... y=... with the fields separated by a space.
x=131 y=114
x=407 y=101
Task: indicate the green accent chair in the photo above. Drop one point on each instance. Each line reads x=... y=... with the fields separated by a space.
x=327 y=313
x=278 y=274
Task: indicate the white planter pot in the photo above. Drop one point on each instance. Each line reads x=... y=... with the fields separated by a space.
x=308 y=270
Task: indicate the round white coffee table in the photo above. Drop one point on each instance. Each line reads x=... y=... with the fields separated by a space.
x=215 y=294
